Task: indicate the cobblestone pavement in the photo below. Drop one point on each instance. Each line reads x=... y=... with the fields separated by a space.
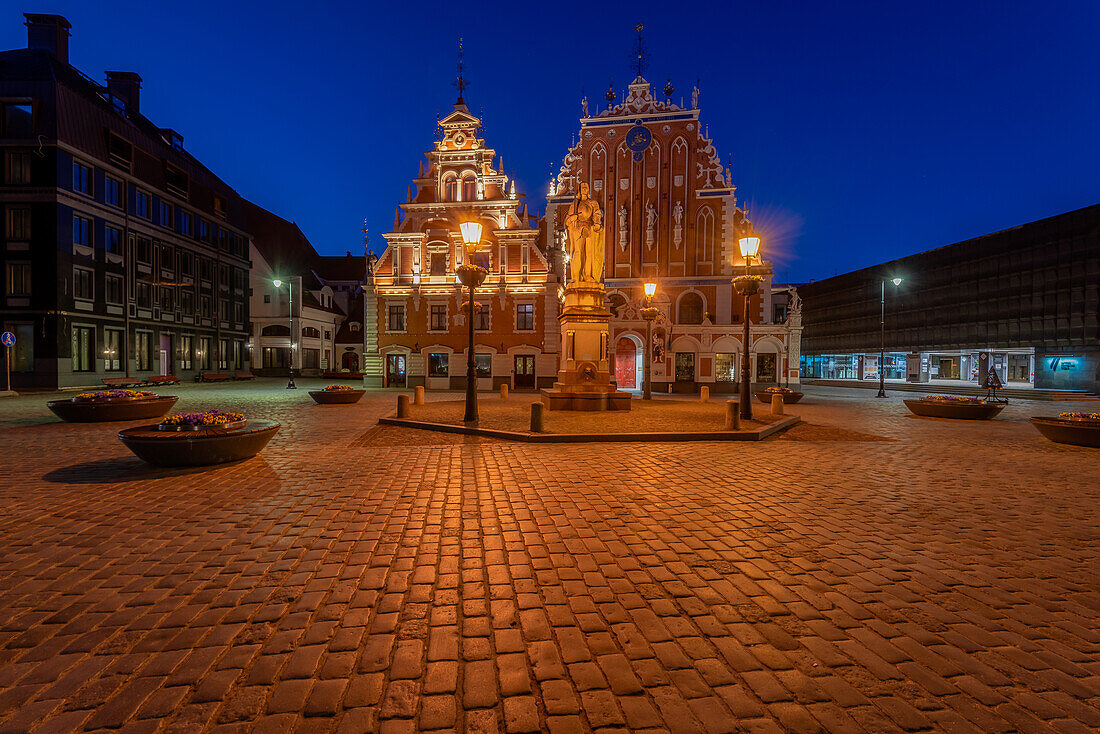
x=868 y=571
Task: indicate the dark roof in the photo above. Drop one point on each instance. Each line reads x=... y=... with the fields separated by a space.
x=83 y=113
x=341 y=267
x=310 y=301
x=283 y=245
x=344 y=335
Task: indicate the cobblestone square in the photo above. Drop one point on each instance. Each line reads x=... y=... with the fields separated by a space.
x=866 y=571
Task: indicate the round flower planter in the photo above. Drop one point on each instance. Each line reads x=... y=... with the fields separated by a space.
x=1063 y=430
x=963 y=411
x=95 y=410
x=789 y=398
x=336 y=397
x=201 y=447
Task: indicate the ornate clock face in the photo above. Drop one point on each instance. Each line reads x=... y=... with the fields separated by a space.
x=638 y=138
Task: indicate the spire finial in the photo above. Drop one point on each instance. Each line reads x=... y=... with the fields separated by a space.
x=640 y=57
x=460 y=83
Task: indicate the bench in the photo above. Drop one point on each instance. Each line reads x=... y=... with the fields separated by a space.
x=164 y=379
x=244 y=376
x=125 y=381
x=213 y=377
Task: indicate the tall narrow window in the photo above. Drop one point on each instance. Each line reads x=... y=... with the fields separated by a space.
x=525 y=317
x=469 y=189
x=112 y=350
x=82 y=178
x=112 y=191
x=185 y=352
x=112 y=241
x=438 y=317
x=450 y=190
x=82 y=227
x=19 y=279
x=19 y=223
x=18 y=169
x=143 y=352
x=82 y=284
x=83 y=349
x=396 y=320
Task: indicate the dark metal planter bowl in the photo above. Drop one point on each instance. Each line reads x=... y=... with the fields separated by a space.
x=198 y=448
x=112 y=409
x=962 y=411
x=789 y=398
x=336 y=397
x=1078 y=433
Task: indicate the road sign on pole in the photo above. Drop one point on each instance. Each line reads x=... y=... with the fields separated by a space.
x=8 y=340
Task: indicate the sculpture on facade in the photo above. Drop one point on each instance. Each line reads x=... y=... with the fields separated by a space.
x=584 y=222
x=622 y=226
x=650 y=225
x=677 y=223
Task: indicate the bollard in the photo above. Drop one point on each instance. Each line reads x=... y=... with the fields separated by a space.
x=733 y=416
x=537 y=424
x=704 y=394
x=419 y=399
x=503 y=390
x=777 y=404
x=402 y=406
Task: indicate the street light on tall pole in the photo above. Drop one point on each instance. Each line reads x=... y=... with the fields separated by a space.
x=471 y=275
x=648 y=313
x=746 y=285
x=290 y=299
x=882 y=339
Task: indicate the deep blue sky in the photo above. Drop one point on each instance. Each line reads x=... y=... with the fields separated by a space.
x=859 y=132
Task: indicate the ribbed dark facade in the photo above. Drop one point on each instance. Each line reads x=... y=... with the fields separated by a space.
x=122 y=254
x=1036 y=285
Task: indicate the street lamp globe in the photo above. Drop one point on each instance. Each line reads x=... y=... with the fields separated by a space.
x=471 y=233
x=896 y=281
x=650 y=289
x=278 y=283
x=749 y=246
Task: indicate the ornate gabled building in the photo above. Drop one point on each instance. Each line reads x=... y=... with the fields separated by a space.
x=672 y=217
x=414 y=320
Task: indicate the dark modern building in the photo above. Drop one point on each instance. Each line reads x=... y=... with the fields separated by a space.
x=122 y=254
x=1023 y=302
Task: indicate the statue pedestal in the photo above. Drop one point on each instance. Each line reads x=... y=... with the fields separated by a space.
x=584 y=378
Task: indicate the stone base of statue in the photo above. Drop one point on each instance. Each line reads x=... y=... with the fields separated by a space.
x=584 y=380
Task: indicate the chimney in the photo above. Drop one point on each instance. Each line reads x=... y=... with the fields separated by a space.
x=48 y=32
x=125 y=85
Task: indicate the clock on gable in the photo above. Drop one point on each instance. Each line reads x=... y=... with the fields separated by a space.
x=638 y=139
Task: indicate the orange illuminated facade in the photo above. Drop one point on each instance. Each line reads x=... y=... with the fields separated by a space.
x=672 y=217
x=414 y=314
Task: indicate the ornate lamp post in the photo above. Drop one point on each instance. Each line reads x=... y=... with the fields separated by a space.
x=648 y=313
x=290 y=298
x=746 y=285
x=882 y=339
x=471 y=275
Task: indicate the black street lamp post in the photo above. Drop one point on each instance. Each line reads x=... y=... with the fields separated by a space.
x=648 y=313
x=471 y=275
x=882 y=339
x=746 y=286
x=290 y=352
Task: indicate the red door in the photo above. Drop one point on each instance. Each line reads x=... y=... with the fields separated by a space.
x=524 y=372
x=626 y=364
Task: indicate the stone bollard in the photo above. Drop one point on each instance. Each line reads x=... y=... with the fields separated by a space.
x=419 y=399
x=704 y=394
x=733 y=415
x=402 y=406
x=503 y=390
x=537 y=422
x=777 y=404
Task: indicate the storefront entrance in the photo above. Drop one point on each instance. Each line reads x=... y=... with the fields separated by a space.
x=395 y=370
x=524 y=372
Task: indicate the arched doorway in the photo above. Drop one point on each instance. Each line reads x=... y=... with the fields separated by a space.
x=350 y=361
x=628 y=363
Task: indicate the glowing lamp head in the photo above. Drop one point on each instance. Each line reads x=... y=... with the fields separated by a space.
x=278 y=283
x=896 y=281
x=750 y=246
x=650 y=289
x=471 y=233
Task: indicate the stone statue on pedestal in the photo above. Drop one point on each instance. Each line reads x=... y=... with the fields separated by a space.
x=584 y=223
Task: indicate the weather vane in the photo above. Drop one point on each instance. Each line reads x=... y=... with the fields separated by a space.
x=460 y=83
x=640 y=56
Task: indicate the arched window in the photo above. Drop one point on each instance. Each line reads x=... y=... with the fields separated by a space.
x=469 y=188
x=354 y=326
x=617 y=301
x=311 y=332
x=450 y=189
x=275 y=330
x=691 y=309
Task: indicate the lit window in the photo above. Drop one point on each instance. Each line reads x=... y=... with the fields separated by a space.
x=525 y=317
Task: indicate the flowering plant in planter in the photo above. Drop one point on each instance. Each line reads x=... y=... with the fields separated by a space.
x=114 y=394
x=1080 y=416
x=337 y=388
x=951 y=399
x=780 y=390
x=206 y=419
